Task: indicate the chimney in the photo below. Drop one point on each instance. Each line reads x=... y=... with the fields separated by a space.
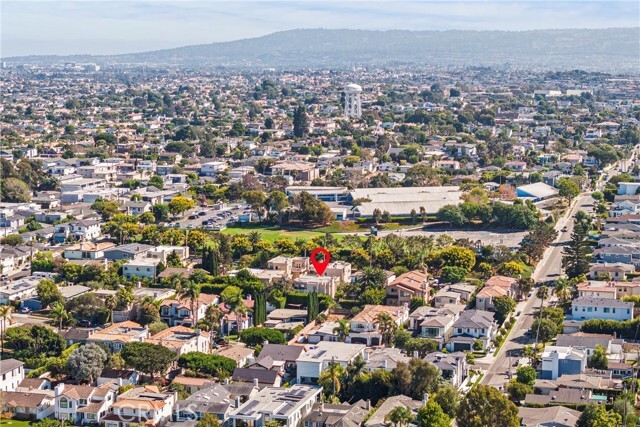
x=59 y=389
x=366 y=356
x=367 y=405
x=425 y=398
x=226 y=380
x=237 y=402
x=384 y=363
x=255 y=382
x=415 y=353
x=321 y=406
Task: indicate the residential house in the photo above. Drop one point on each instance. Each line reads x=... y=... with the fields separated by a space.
x=384 y=358
x=182 y=340
x=288 y=406
x=143 y=268
x=436 y=322
x=81 y=404
x=596 y=289
x=259 y=377
x=278 y=357
x=130 y=251
x=35 y=405
x=86 y=250
x=558 y=361
x=83 y=230
x=319 y=356
x=472 y=326
x=453 y=366
x=458 y=293
x=11 y=374
x=585 y=308
x=407 y=286
x=494 y=287
x=141 y=406
x=322 y=284
x=553 y=416
x=176 y=312
x=116 y=335
x=214 y=399
x=239 y=353
x=379 y=417
x=341 y=415
x=588 y=342
x=612 y=271
x=365 y=326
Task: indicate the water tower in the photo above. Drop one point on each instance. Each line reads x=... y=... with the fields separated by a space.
x=352 y=101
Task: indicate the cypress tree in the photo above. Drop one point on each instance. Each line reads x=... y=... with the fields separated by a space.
x=260 y=309
x=576 y=258
x=313 y=306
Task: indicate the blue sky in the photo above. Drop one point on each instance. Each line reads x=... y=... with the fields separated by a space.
x=112 y=26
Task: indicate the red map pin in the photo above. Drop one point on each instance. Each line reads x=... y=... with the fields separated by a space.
x=320 y=266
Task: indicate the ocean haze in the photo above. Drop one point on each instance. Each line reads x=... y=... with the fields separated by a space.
x=611 y=50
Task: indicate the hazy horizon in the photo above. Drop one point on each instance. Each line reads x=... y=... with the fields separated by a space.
x=47 y=27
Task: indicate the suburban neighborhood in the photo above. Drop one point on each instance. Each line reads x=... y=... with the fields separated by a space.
x=481 y=228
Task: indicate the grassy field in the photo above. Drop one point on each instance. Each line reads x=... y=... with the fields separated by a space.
x=14 y=423
x=270 y=233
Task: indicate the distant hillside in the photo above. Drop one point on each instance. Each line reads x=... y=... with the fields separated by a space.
x=614 y=50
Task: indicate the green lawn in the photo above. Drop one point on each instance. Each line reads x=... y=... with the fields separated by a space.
x=14 y=423
x=271 y=233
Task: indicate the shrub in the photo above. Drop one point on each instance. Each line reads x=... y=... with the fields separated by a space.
x=255 y=336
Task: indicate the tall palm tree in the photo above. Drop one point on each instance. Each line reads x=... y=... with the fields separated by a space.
x=110 y=302
x=543 y=294
x=387 y=327
x=5 y=313
x=59 y=314
x=240 y=310
x=400 y=416
x=331 y=378
x=342 y=330
x=191 y=291
x=371 y=278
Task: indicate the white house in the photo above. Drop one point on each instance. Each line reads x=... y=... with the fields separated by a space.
x=145 y=267
x=11 y=374
x=141 y=406
x=83 y=404
x=321 y=355
x=585 y=308
x=212 y=168
x=288 y=406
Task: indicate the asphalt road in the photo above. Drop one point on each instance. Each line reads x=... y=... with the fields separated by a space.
x=548 y=269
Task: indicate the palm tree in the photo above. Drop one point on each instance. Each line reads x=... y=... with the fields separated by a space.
x=174 y=280
x=330 y=379
x=542 y=293
x=342 y=330
x=387 y=327
x=211 y=320
x=5 y=313
x=561 y=289
x=59 y=314
x=254 y=237
x=371 y=278
x=240 y=310
x=110 y=302
x=400 y=416
x=191 y=291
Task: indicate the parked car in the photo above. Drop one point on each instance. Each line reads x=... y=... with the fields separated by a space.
x=193 y=216
x=202 y=213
